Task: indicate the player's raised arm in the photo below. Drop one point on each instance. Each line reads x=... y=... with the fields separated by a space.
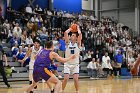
x=66 y=35
x=79 y=37
x=54 y=55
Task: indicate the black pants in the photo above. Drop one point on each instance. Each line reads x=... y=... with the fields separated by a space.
x=115 y=71
x=2 y=72
x=109 y=71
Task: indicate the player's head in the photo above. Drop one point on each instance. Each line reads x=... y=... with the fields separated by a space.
x=74 y=36
x=49 y=45
x=37 y=43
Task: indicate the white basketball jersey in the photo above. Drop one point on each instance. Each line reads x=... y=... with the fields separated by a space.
x=72 y=49
x=33 y=55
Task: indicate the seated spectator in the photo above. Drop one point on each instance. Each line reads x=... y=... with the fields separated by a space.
x=6 y=24
x=40 y=21
x=34 y=19
x=3 y=32
x=23 y=36
x=29 y=9
x=15 y=39
x=92 y=69
x=24 y=48
x=56 y=45
x=106 y=64
x=29 y=41
x=87 y=57
x=38 y=9
x=15 y=51
x=17 y=30
x=43 y=36
x=20 y=56
x=99 y=67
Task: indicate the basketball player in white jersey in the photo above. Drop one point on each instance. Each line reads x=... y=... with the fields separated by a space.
x=32 y=52
x=73 y=46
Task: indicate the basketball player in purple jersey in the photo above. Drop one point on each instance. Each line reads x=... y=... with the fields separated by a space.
x=42 y=62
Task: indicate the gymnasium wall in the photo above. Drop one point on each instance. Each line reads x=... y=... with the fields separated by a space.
x=68 y=5
x=122 y=10
x=17 y=4
x=87 y=4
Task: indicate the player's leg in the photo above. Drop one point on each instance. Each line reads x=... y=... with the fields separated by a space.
x=57 y=83
x=36 y=78
x=49 y=77
x=51 y=87
x=66 y=76
x=4 y=76
x=64 y=83
x=29 y=89
x=76 y=82
x=30 y=76
x=76 y=78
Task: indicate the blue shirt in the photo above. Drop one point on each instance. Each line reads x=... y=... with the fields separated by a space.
x=62 y=45
x=119 y=58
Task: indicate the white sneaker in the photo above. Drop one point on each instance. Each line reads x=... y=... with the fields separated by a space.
x=59 y=76
x=91 y=78
x=43 y=81
x=97 y=78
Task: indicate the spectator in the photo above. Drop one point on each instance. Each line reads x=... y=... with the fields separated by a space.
x=15 y=51
x=88 y=57
x=56 y=44
x=92 y=69
x=23 y=36
x=119 y=60
x=62 y=47
x=15 y=40
x=29 y=41
x=38 y=9
x=29 y=9
x=106 y=64
x=20 y=56
x=17 y=30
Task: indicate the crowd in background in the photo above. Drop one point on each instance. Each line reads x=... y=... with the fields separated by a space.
x=105 y=44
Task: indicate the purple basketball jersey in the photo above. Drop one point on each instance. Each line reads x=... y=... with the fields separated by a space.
x=43 y=59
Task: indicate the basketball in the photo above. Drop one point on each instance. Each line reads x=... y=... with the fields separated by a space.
x=74 y=28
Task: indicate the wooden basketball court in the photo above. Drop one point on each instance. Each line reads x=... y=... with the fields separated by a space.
x=86 y=86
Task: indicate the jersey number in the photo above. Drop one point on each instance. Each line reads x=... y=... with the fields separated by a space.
x=72 y=51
